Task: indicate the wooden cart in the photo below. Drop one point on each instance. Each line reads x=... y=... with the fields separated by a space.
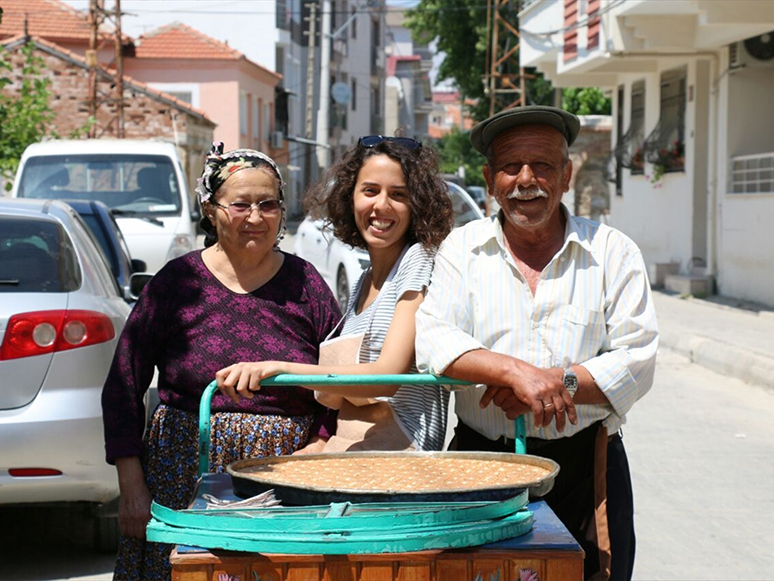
x=548 y=550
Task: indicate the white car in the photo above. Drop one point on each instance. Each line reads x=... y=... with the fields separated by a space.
x=340 y=264
x=142 y=182
x=61 y=313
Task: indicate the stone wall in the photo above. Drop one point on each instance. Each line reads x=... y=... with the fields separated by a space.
x=589 y=193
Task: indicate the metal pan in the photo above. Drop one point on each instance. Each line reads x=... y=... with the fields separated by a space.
x=248 y=484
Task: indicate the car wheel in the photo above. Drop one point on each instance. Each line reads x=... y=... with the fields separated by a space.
x=342 y=289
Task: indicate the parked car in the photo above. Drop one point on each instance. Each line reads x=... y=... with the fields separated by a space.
x=478 y=193
x=141 y=181
x=340 y=264
x=108 y=236
x=61 y=314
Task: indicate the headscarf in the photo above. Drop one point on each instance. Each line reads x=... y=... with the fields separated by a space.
x=219 y=166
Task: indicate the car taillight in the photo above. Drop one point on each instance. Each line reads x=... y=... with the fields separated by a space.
x=42 y=332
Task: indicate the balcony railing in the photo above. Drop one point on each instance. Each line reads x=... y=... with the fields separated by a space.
x=752 y=174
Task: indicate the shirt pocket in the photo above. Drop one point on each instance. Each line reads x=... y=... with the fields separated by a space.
x=580 y=332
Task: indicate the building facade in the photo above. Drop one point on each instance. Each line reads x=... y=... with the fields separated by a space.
x=692 y=170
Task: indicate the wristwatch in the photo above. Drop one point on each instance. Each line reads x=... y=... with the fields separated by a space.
x=570 y=381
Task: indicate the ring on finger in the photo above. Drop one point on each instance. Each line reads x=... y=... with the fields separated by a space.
x=548 y=405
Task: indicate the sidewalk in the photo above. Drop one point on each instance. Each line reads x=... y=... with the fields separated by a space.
x=730 y=337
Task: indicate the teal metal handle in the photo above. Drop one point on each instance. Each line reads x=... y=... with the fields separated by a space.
x=287 y=379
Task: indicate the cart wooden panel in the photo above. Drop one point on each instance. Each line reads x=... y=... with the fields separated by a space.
x=549 y=550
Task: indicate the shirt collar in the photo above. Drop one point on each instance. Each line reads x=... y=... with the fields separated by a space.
x=573 y=232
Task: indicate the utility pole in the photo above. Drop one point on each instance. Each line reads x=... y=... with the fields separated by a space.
x=97 y=15
x=504 y=88
x=312 y=32
x=310 y=69
x=323 y=112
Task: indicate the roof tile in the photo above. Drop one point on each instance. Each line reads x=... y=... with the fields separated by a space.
x=50 y=19
x=178 y=41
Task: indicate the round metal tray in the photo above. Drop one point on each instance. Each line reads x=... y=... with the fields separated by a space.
x=249 y=484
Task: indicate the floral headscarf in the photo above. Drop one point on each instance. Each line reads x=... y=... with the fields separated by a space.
x=219 y=166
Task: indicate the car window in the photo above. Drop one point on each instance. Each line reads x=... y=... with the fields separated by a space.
x=95 y=228
x=36 y=256
x=145 y=184
x=465 y=209
x=104 y=254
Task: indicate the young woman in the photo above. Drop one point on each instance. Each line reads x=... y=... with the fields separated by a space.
x=384 y=195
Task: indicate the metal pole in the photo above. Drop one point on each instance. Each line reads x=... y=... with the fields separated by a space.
x=323 y=112
x=120 y=75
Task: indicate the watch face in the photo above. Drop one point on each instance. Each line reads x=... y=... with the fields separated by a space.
x=570 y=381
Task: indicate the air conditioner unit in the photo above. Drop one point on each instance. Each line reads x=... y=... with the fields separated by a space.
x=756 y=51
x=276 y=139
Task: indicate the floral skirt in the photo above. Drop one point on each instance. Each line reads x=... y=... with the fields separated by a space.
x=170 y=462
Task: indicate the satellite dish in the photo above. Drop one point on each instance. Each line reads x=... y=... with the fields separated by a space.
x=761 y=47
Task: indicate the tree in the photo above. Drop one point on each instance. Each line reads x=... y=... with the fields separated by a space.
x=459 y=28
x=586 y=101
x=455 y=150
x=25 y=115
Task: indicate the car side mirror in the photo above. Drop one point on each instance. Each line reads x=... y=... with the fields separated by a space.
x=137 y=282
x=139 y=265
x=196 y=215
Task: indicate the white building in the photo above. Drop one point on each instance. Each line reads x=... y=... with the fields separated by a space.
x=693 y=127
x=408 y=97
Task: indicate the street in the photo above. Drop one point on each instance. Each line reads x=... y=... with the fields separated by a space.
x=700 y=447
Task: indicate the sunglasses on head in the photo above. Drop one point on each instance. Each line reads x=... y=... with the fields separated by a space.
x=374 y=140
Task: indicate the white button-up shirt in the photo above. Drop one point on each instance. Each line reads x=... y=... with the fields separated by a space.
x=592 y=307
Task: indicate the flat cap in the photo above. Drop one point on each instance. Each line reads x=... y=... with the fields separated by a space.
x=563 y=121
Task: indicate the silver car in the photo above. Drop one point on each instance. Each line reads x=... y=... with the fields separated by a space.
x=61 y=313
x=341 y=265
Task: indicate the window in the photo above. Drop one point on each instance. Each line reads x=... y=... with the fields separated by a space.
x=243 y=113
x=256 y=119
x=266 y=121
x=636 y=133
x=354 y=94
x=665 y=146
x=353 y=26
x=282 y=15
x=614 y=163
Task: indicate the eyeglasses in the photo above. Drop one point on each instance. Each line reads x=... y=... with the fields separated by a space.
x=244 y=209
x=374 y=140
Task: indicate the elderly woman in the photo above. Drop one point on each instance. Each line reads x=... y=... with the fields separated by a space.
x=240 y=298
x=385 y=195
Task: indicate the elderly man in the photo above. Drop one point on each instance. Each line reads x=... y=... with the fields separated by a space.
x=552 y=316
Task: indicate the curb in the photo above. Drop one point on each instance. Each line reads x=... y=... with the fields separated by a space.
x=722 y=358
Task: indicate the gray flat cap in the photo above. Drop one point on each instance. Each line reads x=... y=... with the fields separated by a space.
x=566 y=123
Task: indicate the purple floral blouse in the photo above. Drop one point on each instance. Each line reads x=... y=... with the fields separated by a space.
x=189 y=325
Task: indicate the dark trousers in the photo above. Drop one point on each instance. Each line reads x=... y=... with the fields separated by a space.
x=572 y=497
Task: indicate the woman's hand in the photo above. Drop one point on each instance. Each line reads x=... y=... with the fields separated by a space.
x=134 y=506
x=315 y=445
x=242 y=379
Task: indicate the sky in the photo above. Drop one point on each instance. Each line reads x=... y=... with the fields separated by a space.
x=230 y=21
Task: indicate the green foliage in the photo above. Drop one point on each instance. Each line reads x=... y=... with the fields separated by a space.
x=25 y=115
x=586 y=101
x=459 y=26
x=455 y=150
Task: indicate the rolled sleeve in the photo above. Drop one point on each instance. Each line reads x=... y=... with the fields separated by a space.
x=625 y=368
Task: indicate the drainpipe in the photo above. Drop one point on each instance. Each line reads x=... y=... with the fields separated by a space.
x=712 y=185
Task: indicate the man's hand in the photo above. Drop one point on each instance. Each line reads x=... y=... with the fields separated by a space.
x=539 y=390
x=315 y=445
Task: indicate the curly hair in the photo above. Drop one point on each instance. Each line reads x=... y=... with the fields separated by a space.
x=432 y=215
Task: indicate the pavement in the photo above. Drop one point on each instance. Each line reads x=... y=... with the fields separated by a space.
x=732 y=337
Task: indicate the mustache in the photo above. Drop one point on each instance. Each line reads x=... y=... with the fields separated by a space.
x=528 y=194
